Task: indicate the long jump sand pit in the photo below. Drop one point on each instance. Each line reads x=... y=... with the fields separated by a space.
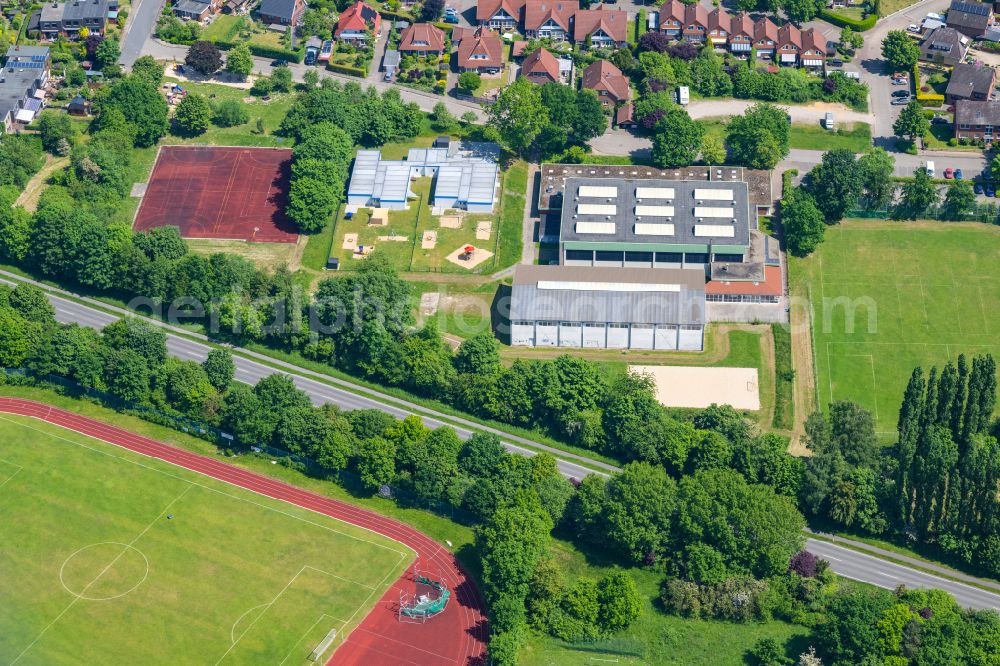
x=698 y=387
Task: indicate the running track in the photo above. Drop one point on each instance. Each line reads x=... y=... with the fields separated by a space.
x=457 y=636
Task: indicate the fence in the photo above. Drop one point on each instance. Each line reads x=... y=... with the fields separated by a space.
x=343 y=477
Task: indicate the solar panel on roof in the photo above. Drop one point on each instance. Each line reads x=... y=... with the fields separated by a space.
x=711 y=194
x=977 y=8
x=654 y=211
x=709 y=211
x=649 y=229
x=703 y=230
x=595 y=227
x=596 y=209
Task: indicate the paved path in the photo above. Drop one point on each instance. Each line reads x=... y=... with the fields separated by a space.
x=800 y=113
x=426 y=101
x=138 y=28
x=456 y=636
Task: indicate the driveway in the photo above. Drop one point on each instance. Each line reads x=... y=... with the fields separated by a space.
x=426 y=101
x=800 y=113
x=139 y=28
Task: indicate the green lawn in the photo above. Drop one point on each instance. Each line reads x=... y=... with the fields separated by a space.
x=853 y=136
x=103 y=576
x=937 y=139
x=318 y=248
x=889 y=296
x=224 y=27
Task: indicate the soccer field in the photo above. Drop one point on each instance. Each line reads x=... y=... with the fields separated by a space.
x=889 y=296
x=109 y=557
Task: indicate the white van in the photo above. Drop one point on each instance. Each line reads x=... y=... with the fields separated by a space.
x=930 y=168
x=828 y=121
x=683 y=95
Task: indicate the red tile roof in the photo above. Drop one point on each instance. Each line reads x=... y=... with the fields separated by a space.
x=422 y=37
x=765 y=29
x=625 y=114
x=742 y=25
x=482 y=42
x=601 y=75
x=771 y=286
x=540 y=65
x=486 y=9
x=614 y=23
x=718 y=19
x=539 y=12
x=789 y=34
x=814 y=40
x=358 y=16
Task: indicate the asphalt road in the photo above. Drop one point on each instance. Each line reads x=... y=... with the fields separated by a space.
x=138 y=28
x=843 y=561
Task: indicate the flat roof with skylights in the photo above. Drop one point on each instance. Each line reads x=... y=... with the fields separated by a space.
x=644 y=214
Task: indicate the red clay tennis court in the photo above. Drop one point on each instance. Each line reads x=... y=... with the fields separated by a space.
x=222 y=193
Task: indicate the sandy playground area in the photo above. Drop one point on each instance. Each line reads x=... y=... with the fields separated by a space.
x=459 y=257
x=699 y=387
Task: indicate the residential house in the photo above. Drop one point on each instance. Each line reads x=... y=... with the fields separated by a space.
x=195 y=10
x=66 y=18
x=606 y=28
x=672 y=18
x=695 y=22
x=283 y=12
x=970 y=18
x=682 y=21
x=541 y=67
x=479 y=50
x=500 y=14
x=973 y=82
x=814 y=49
x=78 y=106
x=741 y=33
x=945 y=46
x=789 y=45
x=719 y=25
x=356 y=22
x=765 y=38
x=608 y=82
x=25 y=72
x=977 y=120
x=550 y=19
x=422 y=39
x=625 y=116
x=236 y=6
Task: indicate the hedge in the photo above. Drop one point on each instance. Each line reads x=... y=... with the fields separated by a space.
x=262 y=51
x=447 y=27
x=925 y=99
x=867 y=23
x=346 y=69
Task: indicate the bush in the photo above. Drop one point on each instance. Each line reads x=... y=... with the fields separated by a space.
x=230 y=113
x=261 y=86
x=867 y=23
x=469 y=81
x=346 y=69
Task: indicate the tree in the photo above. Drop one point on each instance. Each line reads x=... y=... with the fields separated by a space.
x=712 y=150
x=900 y=51
x=919 y=194
x=835 y=183
x=876 y=168
x=141 y=106
x=850 y=40
x=239 y=60
x=658 y=42
x=767 y=652
x=758 y=138
x=518 y=115
x=618 y=600
x=108 y=53
x=911 y=122
x=431 y=11
x=204 y=57
x=590 y=120
x=281 y=78
x=20 y=158
x=677 y=140
x=959 y=199
x=801 y=11
x=193 y=114
x=139 y=336
x=127 y=375
x=230 y=113
x=148 y=68
x=376 y=462
x=17 y=338
x=802 y=223
x=220 y=368
x=443 y=120
x=469 y=117
x=310 y=79
x=850 y=634
x=469 y=81
x=479 y=354
x=58 y=132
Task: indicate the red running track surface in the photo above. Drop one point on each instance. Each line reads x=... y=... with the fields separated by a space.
x=456 y=636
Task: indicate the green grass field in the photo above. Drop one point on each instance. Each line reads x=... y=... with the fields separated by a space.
x=889 y=296
x=856 y=137
x=102 y=576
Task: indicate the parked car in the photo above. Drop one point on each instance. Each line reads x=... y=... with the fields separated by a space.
x=929 y=166
x=958 y=174
x=901 y=93
x=310 y=58
x=949 y=173
x=978 y=188
x=900 y=101
x=990 y=191
x=913 y=27
x=279 y=63
x=837 y=62
x=939 y=120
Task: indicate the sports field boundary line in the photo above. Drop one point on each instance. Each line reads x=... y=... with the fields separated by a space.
x=16 y=471
x=336 y=620
x=465 y=628
x=203 y=486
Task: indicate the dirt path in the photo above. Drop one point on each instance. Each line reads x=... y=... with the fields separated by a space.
x=33 y=190
x=804 y=386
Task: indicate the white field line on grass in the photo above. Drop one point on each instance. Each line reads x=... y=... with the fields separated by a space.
x=214 y=490
x=83 y=592
x=16 y=471
x=337 y=621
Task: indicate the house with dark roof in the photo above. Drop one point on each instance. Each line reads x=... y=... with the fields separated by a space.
x=356 y=22
x=970 y=18
x=195 y=10
x=22 y=93
x=944 y=46
x=608 y=82
x=606 y=28
x=422 y=39
x=282 y=12
x=550 y=19
x=977 y=120
x=66 y=18
x=479 y=50
x=975 y=82
x=541 y=67
x=500 y=14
